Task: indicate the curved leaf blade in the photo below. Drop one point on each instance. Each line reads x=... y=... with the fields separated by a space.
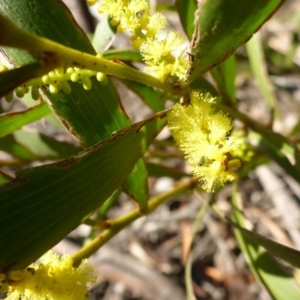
x=90 y=116
x=186 y=10
x=222 y=26
x=43 y=204
x=280 y=285
x=10 y=122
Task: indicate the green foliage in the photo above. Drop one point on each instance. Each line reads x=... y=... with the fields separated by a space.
x=41 y=205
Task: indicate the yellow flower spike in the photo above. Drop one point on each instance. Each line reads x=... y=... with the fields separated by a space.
x=112 y=9
x=54 y=278
x=160 y=53
x=135 y=15
x=164 y=56
x=203 y=135
x=156 y=23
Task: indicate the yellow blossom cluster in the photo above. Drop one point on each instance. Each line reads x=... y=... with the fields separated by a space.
x=163 y=52
x=203 y=134
x=53 y=278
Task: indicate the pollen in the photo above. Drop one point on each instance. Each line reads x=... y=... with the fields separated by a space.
x=203 y=134
x=53 y=278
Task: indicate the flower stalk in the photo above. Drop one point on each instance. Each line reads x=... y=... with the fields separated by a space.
x=61 y=56
x=115 y=226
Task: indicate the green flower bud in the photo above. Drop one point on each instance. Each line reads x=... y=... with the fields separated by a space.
x=86 y=83
x=59 y=71
x=9 y=97
x=20 y=92
x=101 y=76
x=35 y=93
x=52 y=75
x=75 y=77
x=3 y=68
x=66 y=87
x=53 y=88
x=46 y=79
x=70 y=70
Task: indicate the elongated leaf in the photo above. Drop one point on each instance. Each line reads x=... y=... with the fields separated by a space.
x=103 y=35
x=45 y=203
x=200 y=83
x=4 y=178
x=222 y=26
x=11 y=122
x=158 y=170
x=138 y=177
x=259 y=69
x=280 y=285
x=8 y=144
x=147 y=93
x=186 y=10
x=39 y=145
x=224 y=75
x=283 y=152
x=90 y=116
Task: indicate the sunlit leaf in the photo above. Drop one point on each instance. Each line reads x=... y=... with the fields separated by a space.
x=279 y=284
x=224 y=75
x=222 y=26
x=186 y=10
x=90 y=116
x=45 y=203
x=10 y=122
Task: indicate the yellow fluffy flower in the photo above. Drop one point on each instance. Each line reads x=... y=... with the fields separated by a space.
x=202 y=133
x=165 y=53
x=156 y=23
x=131 y=15
x=53 y=278
x=135 y=15
x=161 y=57
x=112 y=9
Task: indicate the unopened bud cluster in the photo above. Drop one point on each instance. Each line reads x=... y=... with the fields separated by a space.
x=56 y=80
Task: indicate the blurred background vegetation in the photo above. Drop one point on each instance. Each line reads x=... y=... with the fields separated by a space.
x=152 y=258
